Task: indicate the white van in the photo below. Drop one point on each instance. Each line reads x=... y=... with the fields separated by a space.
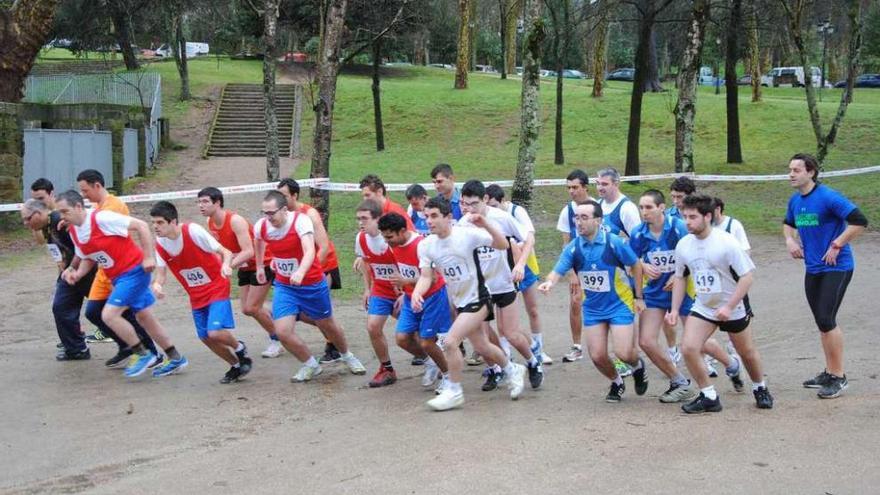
x=794 y=76
x=193 y=49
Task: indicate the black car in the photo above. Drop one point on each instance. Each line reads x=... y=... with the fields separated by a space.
x=863 y=81
x=622 y=75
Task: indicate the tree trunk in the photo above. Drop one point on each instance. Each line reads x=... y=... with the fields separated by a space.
x=180 y=52
x=643 y=50
x=558 y=156
x=122 y=31
x=651 y=82
x=600 y=49
x=24 y=28
x=463 y=57
x=514 y=7
x=328 y=69
x=472 y=35
x=754 y=52
x=530 y=121
x=686 y=106
x=734 y=147
x=270 y=31
x=377 y=98
x=502 y=9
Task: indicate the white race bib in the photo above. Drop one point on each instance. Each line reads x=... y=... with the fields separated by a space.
x=102 y=259
x=456 y=273
x=195 y=277
x=408 y=271
x=383 y=271
x=662 y=260
x=54 y=252
x=286 y=266
x=486 y=253
x=707 y=281
x=595 y=281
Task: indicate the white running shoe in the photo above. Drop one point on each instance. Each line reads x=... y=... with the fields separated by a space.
x=444 y=382
x=306 y=373
x=354 y=364
x=273 y=350
x=545 y=358
x=446 y=400
x=710 y=367
x=674 y=355
x=432 y=372
x=678 y=393
x=575 y=354
x=516 y=380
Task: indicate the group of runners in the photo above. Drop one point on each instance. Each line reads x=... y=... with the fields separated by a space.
x=448 y=268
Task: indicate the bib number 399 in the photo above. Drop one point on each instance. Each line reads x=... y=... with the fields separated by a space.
x=195 y=277
x=595 y=281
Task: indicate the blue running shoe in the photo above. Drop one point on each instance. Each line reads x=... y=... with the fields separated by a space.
x=138 y=363
x=170 y=366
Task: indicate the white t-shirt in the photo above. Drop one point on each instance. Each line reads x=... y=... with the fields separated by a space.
x=521 y=216
x=110 y=223
x=303 y=227
x=737 y=230
x=493 y=262
x=453 y=256
x=629 y=213
x=562 y=224
x=710 y=261
x=199 y=236
x=376 y=244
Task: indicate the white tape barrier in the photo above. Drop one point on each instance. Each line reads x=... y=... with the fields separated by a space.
x=325 y=184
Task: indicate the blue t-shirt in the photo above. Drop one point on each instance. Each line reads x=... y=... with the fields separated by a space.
x=454 y=203
x=820 y=217
x=600 y=266
x=672 y=211
x=659 y=253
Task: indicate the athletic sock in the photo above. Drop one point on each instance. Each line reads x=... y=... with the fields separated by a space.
x=533 y=361
x=709 y=392
x=509 y=368
x=618 y=380
x=757 y=385
x=237 y=365
x=312 y=362
x=679 y=379
x=240 y=347
x=454 y=387
x=138 y=349
x=348 y=355
x=273 y=337
x=639 y=364
x=495 y=368
x=172 y=353
x=386 y=365
x=538 y=338
x=733 y=370
x=505 y=346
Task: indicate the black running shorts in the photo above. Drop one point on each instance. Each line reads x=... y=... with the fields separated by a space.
x=825 y=292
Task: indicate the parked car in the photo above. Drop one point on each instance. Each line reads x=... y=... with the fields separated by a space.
x=573 y=74
x=519 y=70
x=547 y=73
x=746 y=80
x=622 y=75
x=485 y=68
x=794 y=76
x=863 y=81
x=193 y=49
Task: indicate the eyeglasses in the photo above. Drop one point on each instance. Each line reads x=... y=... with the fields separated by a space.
x=271 y=213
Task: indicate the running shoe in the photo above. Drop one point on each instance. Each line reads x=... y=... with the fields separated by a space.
x=492 y=379
x=475 y=359
x=59 y=345
x=444 y=382
x=516 y=380
x=833 y=388
x=733 y=374
x=763 y=399
x=170 y=366
x=447 y=400
x=640 y=377
x=118 y=360
x=536 y=375
x=273 y=350
x=702 y=404
x=382 y=378
x=160 y=358
x=674 y=354
x=542 y=357
x=545 y=358
x=246 y=364
x=678 y=393
x=98 y=337
x=232 y=375
x=418 y=361
x=819 y=381
x=615 y=393
x=710 y=367
x=331 y=354
x=138 y=363
x=354 y=364
x=73 y=356
x=622 y=368
x=306 y=373
x=432 y=372
x=575 y=354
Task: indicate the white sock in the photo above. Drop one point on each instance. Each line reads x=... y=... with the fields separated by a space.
x=348 y=355
x=240 y=347
x=757 y=385
x=496 y=368
x=312 y=362
x=618 y=380
x=509 y=368
x=538 y=338
x=709 y=392
x=454 y=387
x=505 y=345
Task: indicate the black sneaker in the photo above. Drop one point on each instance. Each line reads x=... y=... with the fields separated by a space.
x=819 y=380
x=702 y=404
x=640 y=378
x=833 y=388
x=160 y=358
x=536 y=375
x=418 y=361
x=331 y=354
x=232 y=375
x=73 y=356
x=492 y=379
x=59 y=346
x=246 y=364
x=763 y=398
x=119 y=359
x=615 y=393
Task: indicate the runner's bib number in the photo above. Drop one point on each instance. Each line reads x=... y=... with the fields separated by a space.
x=408 y=271
x=383 y=271
x=662 y=260
x=707 y=281
x=456 y=273
x=102 y=259
x=54 y=252
x=286 y=266
x=195 y=277
x=486 y=253
x=595 y=281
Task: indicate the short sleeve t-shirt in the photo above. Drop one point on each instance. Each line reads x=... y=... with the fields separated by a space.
x=201 y=237
x=303 y=227
x=521 y=216
x=710 y=261
x=627 y=215
x=456 y=259
x=58 y=242
x=735 y=228
x=494 y=262
x=820 y=217
x=109 y=222
x=565 y=223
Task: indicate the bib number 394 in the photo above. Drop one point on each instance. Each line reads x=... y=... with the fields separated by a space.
x=286 y=266
x=663 y=260
x=195 y=277
x=707 y=282
x=595 y=281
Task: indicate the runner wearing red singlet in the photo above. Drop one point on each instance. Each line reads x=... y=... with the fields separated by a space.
x=373 y=188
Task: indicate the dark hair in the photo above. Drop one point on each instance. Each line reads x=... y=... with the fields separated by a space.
x=495 y=192
x=579 y=175
x=43 y=184
x=597 y=208
x=441 y=169
x=810 y=163
x=276 y=197
x=683 y=184
x=656 y=195
x=441 y=204
x=719 y=203
x=370 y=206
x=415 y=191
x=71 y=197
x=213 y=194
x=91 y=176
x=700 y=202
x=165 y=210
x=473 y=189
x=392 y=222
x=291 y=184
x=374 y=183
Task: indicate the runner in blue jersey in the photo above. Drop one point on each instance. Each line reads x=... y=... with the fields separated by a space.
x=444 y=182
x=819 y=225
x=620 y=215
x=600 y=259
x=417 y=196
x=680 y=188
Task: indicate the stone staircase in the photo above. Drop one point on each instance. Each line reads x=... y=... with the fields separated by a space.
x=239 y=127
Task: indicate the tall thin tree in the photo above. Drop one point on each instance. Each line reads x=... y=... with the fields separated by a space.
x=530 y=121
x=270 y=31
x=462 y=60
x=731 y=56
x=686 y=106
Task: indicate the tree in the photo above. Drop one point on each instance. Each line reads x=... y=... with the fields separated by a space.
x=328 y=69
x=734 y=146
x=509 y=10
x=686 y=106
x=174 y=19
x=463 y=58
x=794 y=10
x=120 y=13
x=600 y=47
x=24 y=28
x=270 y=16
x=560 y=16
x=754 y=67
x=530 y=121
